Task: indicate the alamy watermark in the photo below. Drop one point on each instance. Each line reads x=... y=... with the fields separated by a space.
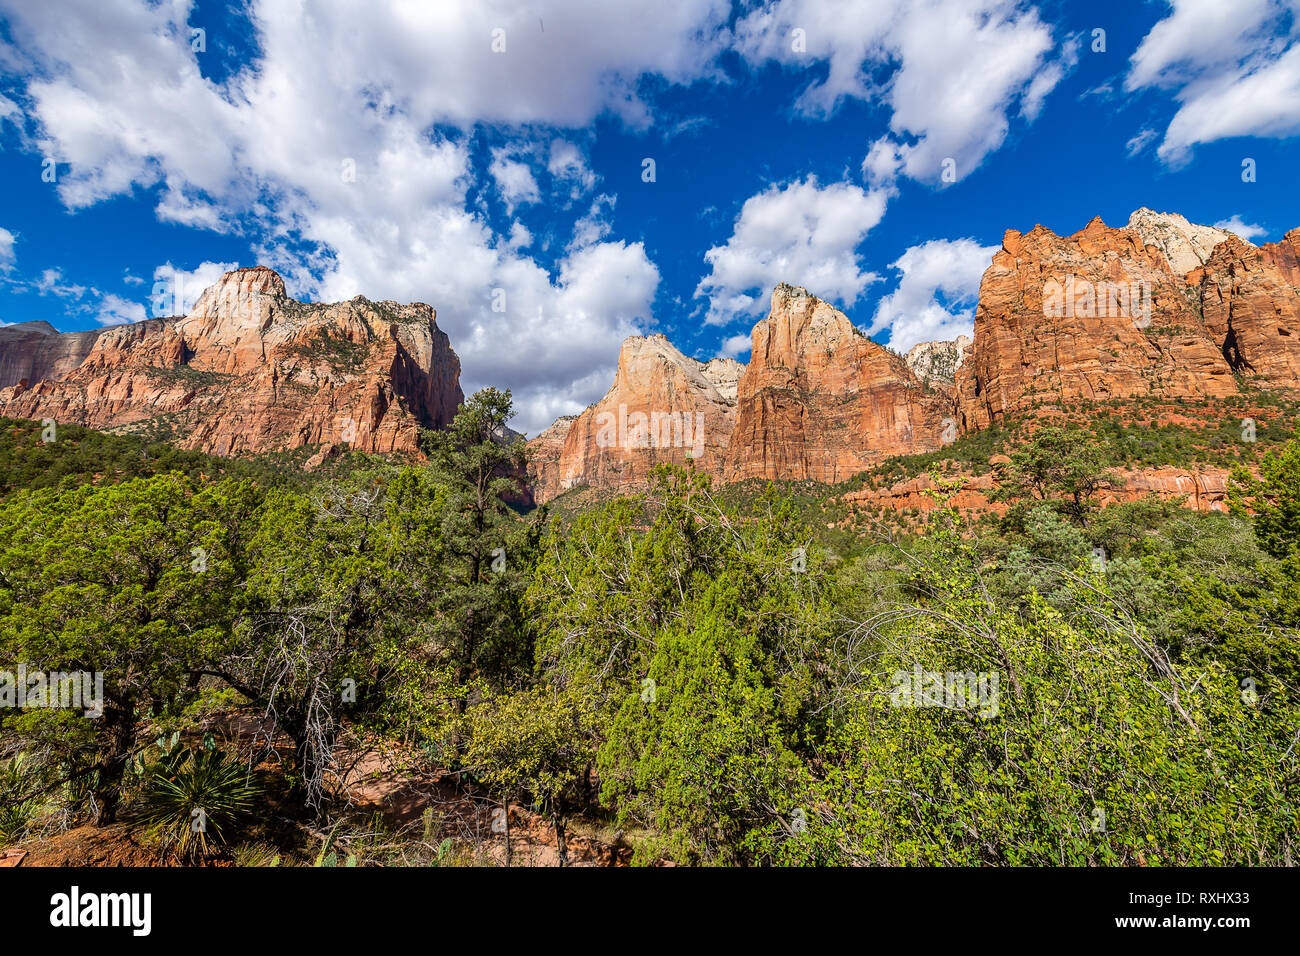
x=1086 y=299
x=954 y=690
x=653 y=430
x=57 y=690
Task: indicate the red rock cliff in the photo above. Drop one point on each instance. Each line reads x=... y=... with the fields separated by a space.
x=819 y=400
x=1095 y=316
x=662 y=407
x=248 y=370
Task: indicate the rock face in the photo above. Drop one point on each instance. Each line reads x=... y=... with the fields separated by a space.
x=1250 y=300
x=1204 y=489
x=31 y=351
x=1095 y=316
x=248 y=370
x=663 y=407
x=818 y=401
x=1185 y=245
x=937 y=362
x=546 y=458
x=821 y=401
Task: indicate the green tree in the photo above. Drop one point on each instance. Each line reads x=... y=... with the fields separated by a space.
x=481 y=463
x=135 y=582
x=1273 y=498
x=699 y=635
x=341 y=592
x=1066 y=467
x=532 y=742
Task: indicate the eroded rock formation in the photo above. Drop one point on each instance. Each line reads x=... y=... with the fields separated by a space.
x=1096 y=316
x=821 y=401
x=248 y=370
x=663 y=407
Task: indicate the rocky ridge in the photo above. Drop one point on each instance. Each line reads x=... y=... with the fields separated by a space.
x=249 y=369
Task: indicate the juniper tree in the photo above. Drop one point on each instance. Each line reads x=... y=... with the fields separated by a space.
x=481 y=463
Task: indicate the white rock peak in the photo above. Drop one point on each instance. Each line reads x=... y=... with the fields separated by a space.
x=1185 y=244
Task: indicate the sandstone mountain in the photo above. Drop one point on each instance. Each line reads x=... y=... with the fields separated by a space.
x=31 y=351
x=1095 y=316
x=1160 y=309
x=248 y=370
x=821 y=401
x=663 y=407
x=1105 y=315
x=817 y=400
x=1250 y=301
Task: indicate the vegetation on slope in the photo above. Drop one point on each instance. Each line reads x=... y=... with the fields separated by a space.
x=725 y=676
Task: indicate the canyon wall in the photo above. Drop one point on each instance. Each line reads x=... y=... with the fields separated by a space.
x=1160 y=309
x=247 y=370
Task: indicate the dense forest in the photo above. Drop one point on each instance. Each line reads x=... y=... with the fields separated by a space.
x=692 y=674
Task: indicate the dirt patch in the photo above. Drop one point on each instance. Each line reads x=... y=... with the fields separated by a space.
x=91 y=846
x=387 y=781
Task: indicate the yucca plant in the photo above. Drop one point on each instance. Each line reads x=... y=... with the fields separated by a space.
x=15 y=814
x=194 y=800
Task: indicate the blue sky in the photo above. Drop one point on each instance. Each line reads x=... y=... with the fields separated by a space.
x=489 y=158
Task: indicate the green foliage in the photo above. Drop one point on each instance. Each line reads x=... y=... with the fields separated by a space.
x=1102 y=751
x=83 y=456
x=17 y=808
x=696 y=641
x=721 y=663
x=136 y=582
x=534 y=742
x=1274 y=498
x=1064 y=466
x=479 y=618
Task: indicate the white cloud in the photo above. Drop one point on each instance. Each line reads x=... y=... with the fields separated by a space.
x=115 y=310
x=520 y=237
x=1248 y=231
x=175 y=291
x=328 y=147
x=736 y=345
x=913 y=312
x=963 y=66
x=52 y=282
x=6 y=250
x=1235 y=68
x=514 y=180
x=595 y=225
x=1141 y=141
x=1195 y=35
x=568 y=165
x=800 y=233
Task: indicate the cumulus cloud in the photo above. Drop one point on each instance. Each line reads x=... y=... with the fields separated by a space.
x=936 y=293
x=1234 y=69
x=568 y=165
x=963 y=66
x=801 y=233
x=7 y=256
x=334 y=148
x=1248 y=231
x=736 y=345
x=115 y=310
x=176 y=290
x=329 y=149
x=514 y=180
